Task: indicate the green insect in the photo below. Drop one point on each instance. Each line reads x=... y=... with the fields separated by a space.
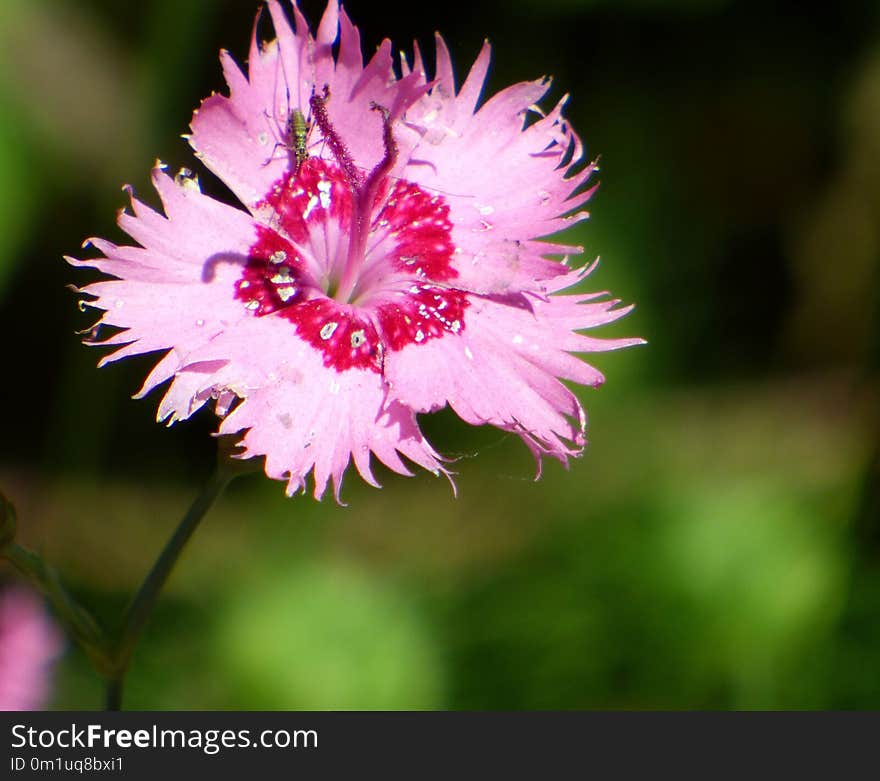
x=294 y=140
x=296 y=137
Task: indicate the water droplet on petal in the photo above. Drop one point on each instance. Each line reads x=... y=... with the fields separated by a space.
x=286 y=293
x=310 y=206
x=328 y=329
x=200 y=322
x=325 y=189
x=187 y=180
x=282 y=277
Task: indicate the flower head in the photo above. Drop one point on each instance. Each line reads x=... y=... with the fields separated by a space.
x=29 y=643
x=386 y=262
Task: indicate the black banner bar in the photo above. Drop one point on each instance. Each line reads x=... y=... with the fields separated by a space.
x=159 y=745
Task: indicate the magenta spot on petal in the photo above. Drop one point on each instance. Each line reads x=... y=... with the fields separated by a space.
x=427 y=312
x=273 y=277
x=344 y=335
x=305 y=200
x=419 y=223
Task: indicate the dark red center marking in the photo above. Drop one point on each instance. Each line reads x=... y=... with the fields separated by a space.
x=420 y=225
x=414 y=231
x=422 y=313
x=301 y=202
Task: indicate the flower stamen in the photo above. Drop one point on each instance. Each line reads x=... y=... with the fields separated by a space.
x=364 y=195
x=318 y=104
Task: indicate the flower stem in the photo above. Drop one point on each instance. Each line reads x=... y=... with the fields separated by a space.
x=78 y=621
x=145 y=599
x=113 y=700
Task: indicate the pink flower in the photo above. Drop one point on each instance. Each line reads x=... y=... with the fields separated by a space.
x=29 y=643
x=386 y=263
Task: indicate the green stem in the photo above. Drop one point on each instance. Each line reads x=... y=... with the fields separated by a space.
x=113 y=700
x=78 y=621
x=145 y=599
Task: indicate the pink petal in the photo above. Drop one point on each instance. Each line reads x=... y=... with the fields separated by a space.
x=299 y=414
x=29 y=644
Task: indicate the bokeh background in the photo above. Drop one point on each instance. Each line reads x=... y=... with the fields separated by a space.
x=718 y=546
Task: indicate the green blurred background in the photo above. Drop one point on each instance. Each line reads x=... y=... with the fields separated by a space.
x=718 y=546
